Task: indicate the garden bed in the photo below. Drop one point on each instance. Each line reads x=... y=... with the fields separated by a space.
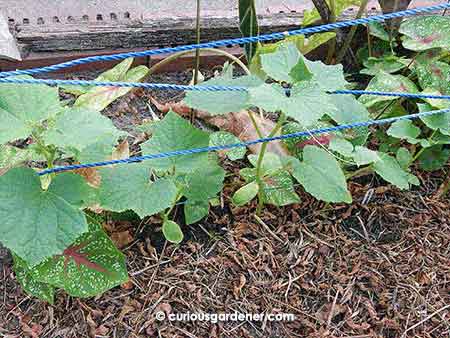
x=343 y=224
x=375 y=268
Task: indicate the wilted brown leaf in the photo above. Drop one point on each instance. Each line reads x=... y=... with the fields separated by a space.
x=122 y=239
x=238 y=123
x=91 y=175
x=122 y=151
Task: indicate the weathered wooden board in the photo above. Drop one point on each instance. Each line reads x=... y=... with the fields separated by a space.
x=49 y=30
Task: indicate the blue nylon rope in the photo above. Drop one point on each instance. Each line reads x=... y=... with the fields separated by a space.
x=167 y=86
x=223 y=43
x=242 y=144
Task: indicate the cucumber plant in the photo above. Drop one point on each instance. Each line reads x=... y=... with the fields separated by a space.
x=47 y=224
x=425 y=141
x=297 y=90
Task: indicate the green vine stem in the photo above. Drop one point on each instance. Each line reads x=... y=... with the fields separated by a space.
x=259 y=179
x=197 y=51
x=351 y=34
x=176 y=56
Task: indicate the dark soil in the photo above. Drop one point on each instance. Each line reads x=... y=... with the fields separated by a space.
x=379 y=267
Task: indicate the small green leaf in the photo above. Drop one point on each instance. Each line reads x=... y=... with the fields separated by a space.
x=377 y=29
x=439 y=122
x=278 y=189
x=404 y=129
x=36 y=224
x=404 y=157
x=175 y=133
x=221 y=138
x=245 y=194
x=321 y=176
x=363 y=156
x=434 y=158
x=98 y=98
x=78 y=128
x=280 y=64
x=194 y=211
x=387 y=83
x=172 y=232
x=426 y=32
x=24 y=106
x=130 y=188
x=391 y=171
x=342 y=146
x=388 y=64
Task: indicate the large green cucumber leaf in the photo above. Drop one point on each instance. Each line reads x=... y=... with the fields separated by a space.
x=130 y=188
x=433 y=74
x=307 y=103
x=385 y=82
x=391 y=171
x=13 y=157
x=221 y=138
x=222 y=102
x=37 y=224
x=204 y=183
x=362 y=155
x=31 y=286
x=199 y=187
x=321 y=176
x=80 y=127
x=303 y=44
x=329 y=77
x=98 y=98
x=175 y=133
x=24 y=106
x=285 y=64
x=88 y=267
x=73 y=189
x=426 y=32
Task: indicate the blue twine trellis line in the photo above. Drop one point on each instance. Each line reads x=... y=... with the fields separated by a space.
x=227 y=42
x=204 y=88
x=241 y=144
